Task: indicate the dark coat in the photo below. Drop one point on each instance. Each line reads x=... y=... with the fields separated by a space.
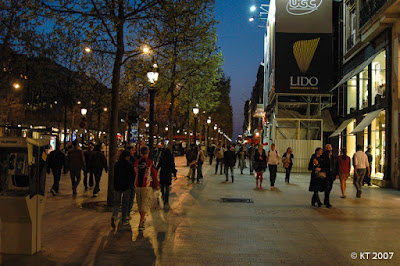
x=260 y=164
x=124 y=175
x=330 y=166
x=167 y=166
x=291 y=159
x=316 y=183
x=229 y=158
x=98 y=161
x=76 y=159
x=56 y=160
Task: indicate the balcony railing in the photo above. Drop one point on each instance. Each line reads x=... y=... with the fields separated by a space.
x=369 y=10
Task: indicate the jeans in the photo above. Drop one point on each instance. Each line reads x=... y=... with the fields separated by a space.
x=251 y=164
x=219 y=162
x=287 y=177
x=194 y=174
x=57 y=177
x=327 y=190
x=131 y=198
x=227 y=172
x=85 y=178
x=97 y=177
x=272 y=173
x=199 y=171
x=242 y=165
x=75 y=178
x=124 y=196
x=358 y=179
x=165 y=192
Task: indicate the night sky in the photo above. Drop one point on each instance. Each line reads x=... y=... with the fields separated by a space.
x=242 y=45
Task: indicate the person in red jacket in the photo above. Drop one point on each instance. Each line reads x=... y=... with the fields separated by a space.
x=344 y=170
x=146 y=179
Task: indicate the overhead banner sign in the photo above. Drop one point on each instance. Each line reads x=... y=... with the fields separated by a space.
x=303 y=46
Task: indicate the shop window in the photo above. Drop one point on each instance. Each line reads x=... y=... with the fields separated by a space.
x=378 y=78
x=378 y=144
x=363 y=90
x=351 y=95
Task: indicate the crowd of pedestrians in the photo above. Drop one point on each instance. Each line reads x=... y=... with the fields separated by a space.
x=136 y=175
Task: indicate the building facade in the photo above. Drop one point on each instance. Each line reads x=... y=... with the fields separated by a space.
x=368 y=92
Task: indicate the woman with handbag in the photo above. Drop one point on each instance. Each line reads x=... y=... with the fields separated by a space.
x=317 y=182
x=260 y=164
x=287 y=163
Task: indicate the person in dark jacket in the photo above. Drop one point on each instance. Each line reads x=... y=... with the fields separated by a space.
x=367 y=178
x=287 y=162
x=167 y=166
x=331 y=168
x=250 y=154
x=193 y=162
x=98 y=162
x=88 y=169
x=317 y=184
x=260 y=164
x=124 y=176
x=55 y=162
x=76 y=163
x=133 y=157
x=210 y=151
x=229 y=161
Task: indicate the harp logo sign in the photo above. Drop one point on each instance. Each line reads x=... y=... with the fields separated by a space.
x=302 y=7
x=303 y=52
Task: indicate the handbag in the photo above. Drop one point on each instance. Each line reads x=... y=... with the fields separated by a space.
x=193 y=164
x=320 y=174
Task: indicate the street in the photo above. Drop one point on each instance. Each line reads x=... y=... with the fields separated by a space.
x=279 y=227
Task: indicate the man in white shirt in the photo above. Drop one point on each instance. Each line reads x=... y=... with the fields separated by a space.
x=273 y=162
x=361 y=165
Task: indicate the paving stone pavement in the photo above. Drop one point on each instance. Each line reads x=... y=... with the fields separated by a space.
x=280 y=227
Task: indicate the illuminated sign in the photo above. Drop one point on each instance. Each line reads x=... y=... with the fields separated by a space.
x=302 y=7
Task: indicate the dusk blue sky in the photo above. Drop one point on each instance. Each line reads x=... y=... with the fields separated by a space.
x=242 y=45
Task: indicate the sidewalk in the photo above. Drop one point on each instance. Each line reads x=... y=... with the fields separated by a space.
x=280 y=227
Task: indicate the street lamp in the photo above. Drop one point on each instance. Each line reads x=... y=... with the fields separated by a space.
x=152 y=77
x=253 y=8
x=83 y=112
x=208 y=131
x=196 y=111
x=16 y=86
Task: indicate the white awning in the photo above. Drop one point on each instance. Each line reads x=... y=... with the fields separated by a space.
x=356 y=70
x=341 y=128
x=366 y=121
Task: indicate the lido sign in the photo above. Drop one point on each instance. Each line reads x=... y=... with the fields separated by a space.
x=302 y=7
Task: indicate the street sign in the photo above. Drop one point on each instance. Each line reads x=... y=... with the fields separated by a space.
x=134 y=133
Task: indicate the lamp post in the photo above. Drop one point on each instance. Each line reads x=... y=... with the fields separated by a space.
x=153 y=77
x=83 y=123
x=208 y=132
x=195 y=112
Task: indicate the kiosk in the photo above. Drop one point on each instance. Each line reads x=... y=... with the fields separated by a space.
x=22 y=197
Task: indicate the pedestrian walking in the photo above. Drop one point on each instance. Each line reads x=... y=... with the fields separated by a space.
x=250 y=155
x=76 y=163
x=367 y=178
x=260 y=164
x=229 y=162
x=193 y=162
x=98 y=162
x=146 y=178
x=317 y=181
x=200 y=160
x=219 y=156
x=210 y=151
x=242 y=159
x=361 y=168
x=167 y=166
x=132 y=158
x=55 y=162
x=124 y=177
x=287 y=163
x=330 y=166
x=89 y=169
x=344 y=170
x=273 y=162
